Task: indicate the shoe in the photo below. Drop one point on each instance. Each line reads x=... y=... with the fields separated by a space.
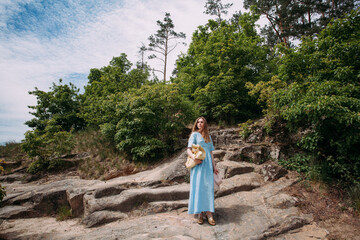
x=200 y=219
x=211 y=221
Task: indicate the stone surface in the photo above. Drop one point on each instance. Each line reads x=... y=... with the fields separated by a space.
x=153 y=204
x=231 y=168
x=272 y=172
x=102 y=217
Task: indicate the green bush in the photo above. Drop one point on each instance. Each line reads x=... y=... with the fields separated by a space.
x=323 y=96
x=299 y=162
x=149 y=121
x=245 y=129
x=11 y=151
x=46 y=148
x=221 y=58
x=63 y=213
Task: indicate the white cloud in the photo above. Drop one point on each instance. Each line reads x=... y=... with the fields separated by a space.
x=28 y=59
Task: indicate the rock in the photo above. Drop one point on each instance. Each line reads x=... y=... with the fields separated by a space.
x=256 y=136
x=219 y=154
x=281 y=201
x=233 y=156
x=102 y=217
x=75 y=200
x=235 y=168
x=131 y=198
x=307 y=232
x=274 y=152
x=153 y=204
x=12 y=177
x=225 y=137
x=272 y=172
x=166 y=206
x=13 y=212
x=238 y=183
x=255 y=153
x=286 y=225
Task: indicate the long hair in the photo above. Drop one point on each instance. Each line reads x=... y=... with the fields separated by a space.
x=204 y=132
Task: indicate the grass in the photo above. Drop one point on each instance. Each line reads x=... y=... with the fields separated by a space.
x=354 y=196
x=12 y=152
x=64 y=213
x=105 y=161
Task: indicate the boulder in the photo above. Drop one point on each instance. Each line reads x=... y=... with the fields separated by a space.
x=231 y=168
x=102 y=217
x=272 y=172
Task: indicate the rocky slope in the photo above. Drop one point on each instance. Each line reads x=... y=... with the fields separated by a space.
x=152 y=204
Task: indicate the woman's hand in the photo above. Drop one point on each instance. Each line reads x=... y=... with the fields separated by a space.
x=198 y=161
x=216 y=171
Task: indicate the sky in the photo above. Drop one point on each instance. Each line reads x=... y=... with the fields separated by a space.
x=42 y=41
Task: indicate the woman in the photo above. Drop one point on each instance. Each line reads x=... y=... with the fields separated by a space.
x=202 y=175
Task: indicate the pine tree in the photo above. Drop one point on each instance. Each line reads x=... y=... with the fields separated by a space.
x=160 y=42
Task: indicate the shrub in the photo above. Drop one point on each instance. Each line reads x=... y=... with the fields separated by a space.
x=46 y=148
x=245 y=129
x=322 y=95
x=150 y=121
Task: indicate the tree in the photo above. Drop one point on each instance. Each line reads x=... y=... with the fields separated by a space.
x=220 y=60
x=142 y=51
x=216 y=8
x=61 y=105
x=294 y=19
x=160 y=42
x=149 y=121
x=281 y=14
x=321 y=98
x=98 y=101
x=57 y=115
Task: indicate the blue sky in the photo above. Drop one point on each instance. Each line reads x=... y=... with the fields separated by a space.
x=42 y=41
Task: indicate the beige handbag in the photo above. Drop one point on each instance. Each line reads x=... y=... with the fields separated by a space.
x=199 y=153
x=217 y=181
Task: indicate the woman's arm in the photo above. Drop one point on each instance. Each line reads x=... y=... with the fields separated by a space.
x=213 y=163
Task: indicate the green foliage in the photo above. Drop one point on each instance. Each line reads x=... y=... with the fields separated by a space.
x=149 y=121
x=220 y=60
x=56 y=116
x=12 y=152
x=245 y=128
x=295 y=19
x=61 y=105
x=104 y=159
x=46 y=148
x=101 y=93
x=216 y=8
x=354 y=195
x=264 y=91
x=323 y=96
x=64 y=213
x=299 y=162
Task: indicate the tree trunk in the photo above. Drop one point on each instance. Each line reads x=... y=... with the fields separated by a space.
x=165 y=56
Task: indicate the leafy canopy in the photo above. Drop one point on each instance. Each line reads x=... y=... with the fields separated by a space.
x=323 y=96
x=220 y=60
x=149 y=121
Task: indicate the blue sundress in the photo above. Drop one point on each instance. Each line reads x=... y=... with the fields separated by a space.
x=201 y=179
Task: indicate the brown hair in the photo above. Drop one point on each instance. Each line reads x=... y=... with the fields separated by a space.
x=205 y=132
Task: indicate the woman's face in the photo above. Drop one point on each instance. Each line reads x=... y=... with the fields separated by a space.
x=200 y=123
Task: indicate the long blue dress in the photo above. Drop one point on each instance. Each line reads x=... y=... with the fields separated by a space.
x=201 y=179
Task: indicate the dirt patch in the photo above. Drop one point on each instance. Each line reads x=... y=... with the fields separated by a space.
x=329 y=208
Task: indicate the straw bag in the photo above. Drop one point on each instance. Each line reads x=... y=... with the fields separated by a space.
x=199 y=153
